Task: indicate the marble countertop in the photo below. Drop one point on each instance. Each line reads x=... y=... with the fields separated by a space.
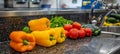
x=78 y=46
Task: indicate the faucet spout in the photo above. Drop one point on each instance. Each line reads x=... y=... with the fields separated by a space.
x=91 y=15
x=112 y=10
x=92 y=11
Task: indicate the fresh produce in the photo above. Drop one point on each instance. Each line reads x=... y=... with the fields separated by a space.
x=39 y=32
x=117 y=24
x=78 y=31
x=39 y=24
x=73 y=33
x=26 y=29
x=67 y=27
x=21 y=41
x=59 y=21
x=76 y=25
x=45 y=38
x=60 y=33
x=67 y=33
x=107 y=24
x=111 y=20
x=116 y=16
x=88 y=31
x=81 y=33
x=95 y=30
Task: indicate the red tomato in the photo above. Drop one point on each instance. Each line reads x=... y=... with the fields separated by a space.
x=76 y=25
x=73 y=33
x=88 y=31
x=67 y=34
x=81 y=33
x=67 y=27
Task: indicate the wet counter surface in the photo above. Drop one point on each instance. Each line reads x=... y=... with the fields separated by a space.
x=78 y=46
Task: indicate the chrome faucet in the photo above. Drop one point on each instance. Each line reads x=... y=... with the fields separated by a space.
x=112 y=10
x=91 y=15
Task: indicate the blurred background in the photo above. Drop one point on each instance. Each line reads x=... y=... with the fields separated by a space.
x=51 y=3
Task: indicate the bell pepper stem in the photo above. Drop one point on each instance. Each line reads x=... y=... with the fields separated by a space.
x=51 y=38
x=62 y=35
x=26 y=29
x=25 y=42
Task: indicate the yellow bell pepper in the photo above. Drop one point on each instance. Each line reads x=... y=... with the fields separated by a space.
x=117 y=24
x=109 y=24
x=44 y=38
x=60 y=34
x=39 y=24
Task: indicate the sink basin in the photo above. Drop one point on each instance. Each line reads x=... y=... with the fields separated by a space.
x=108 y=42
x=105 y=45
x=117 y=51
x=111 y=28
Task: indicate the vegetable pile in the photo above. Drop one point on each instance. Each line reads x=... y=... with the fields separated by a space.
x=37 y=32
x=75 y=31
x=112 y=20
x=47 y=33
x=96 y=30
x=50 y=37
x=59 y=21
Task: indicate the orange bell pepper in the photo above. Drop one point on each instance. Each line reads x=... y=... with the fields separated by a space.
x=21 y=41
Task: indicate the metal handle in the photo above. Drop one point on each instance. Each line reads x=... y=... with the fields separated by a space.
x=112 y=33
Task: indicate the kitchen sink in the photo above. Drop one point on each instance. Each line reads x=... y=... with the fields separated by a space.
x=117 y=51
x=115 y=29
x=105 y=45
x=108 y=42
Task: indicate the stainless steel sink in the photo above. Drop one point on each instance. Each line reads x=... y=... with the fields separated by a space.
x=115 y=29
x=107 y=43
x=117 y=51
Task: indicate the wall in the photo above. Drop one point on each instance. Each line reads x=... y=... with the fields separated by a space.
x=52 y=2
x=111 y=1
x=1 y=3
x=118 y=1
x=57 y=3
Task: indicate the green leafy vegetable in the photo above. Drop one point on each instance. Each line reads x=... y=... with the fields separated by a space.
x=59 y=21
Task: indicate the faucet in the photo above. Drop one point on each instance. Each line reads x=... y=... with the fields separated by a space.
x=112 y=10
x=108 y=13
x=91 y=16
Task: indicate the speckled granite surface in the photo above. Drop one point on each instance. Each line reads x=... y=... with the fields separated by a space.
x=70 y=46
x=9 y=24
